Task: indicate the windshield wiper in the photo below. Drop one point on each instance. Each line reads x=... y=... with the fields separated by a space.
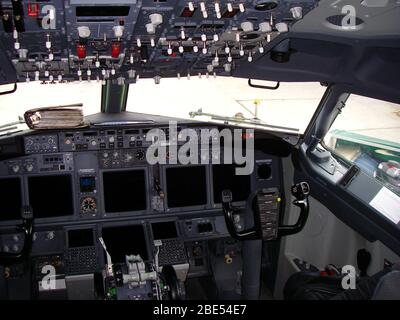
x=226 y=119
x=9 y=125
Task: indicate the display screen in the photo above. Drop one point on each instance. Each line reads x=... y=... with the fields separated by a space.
x=224 y=177
x=125 y=240
x=102 y=11
x=51 y=196
x=124 y=191
x=80 y=238
x=164 y=230
x=186 y=186
x=87 y=184
x=11 y=199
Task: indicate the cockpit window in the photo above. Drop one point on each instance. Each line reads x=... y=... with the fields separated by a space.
x=367 y=133
x=288 y=108
x=36 y=95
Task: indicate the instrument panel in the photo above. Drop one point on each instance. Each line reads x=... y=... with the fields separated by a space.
x=86 y=183
x=104 y=173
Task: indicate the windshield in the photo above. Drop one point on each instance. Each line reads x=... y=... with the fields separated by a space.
x=289 y=108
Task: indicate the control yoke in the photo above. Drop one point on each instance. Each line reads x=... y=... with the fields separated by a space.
x=264 y=205
x=26 y=228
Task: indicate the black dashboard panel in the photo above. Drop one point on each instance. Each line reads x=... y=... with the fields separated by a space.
x=224 y=177
x=186 y=186
x=124 y=190
x=51 y=196
x=11 y=198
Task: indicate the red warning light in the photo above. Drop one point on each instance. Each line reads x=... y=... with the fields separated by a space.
x=186 y=13
x=33 y=10
x=115 y=49
x=81 y=51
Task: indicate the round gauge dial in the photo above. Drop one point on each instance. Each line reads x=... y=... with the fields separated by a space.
x=88 y=205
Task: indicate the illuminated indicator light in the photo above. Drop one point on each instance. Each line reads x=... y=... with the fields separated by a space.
x=202 y=6
x=219 y=15
x=195 y=49
x=203 y=37
x=37 y=74
x=250 y=57
x=217 y=8
x=15 y=34
x=97 y=63
x=115 y=49
x=79 y=73
x=113 y=71
x=241 y=7
x=33 y=10
x=51 y=78
x=230 y=7
x=278 y=199
x=17 y=45
x=180 y=49
x=230 y=58
x=152 y=42
x=216 y=37
x=205 y=14
x=89 y=72
x=103 y=72
x=138 y=42
x=81 y=51
x=268 y=37
x=183 y=36
x=59 y=78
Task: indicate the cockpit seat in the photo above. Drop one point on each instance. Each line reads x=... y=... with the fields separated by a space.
x=305 y=285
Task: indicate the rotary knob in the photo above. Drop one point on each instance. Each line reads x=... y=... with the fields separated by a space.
x=29 y=167
x=139 y=155
x=50 y=235
x=15 y=168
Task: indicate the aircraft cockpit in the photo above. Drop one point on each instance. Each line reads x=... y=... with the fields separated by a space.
x=199 y=150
